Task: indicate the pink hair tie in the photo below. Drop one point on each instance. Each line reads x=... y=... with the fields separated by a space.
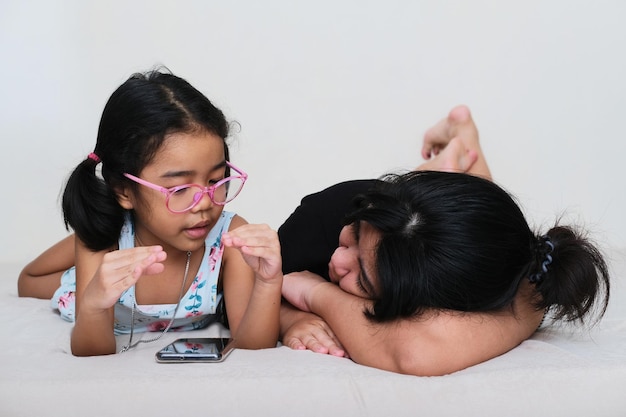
x=93 y=157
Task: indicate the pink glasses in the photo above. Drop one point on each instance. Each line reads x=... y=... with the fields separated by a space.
x=185 y=197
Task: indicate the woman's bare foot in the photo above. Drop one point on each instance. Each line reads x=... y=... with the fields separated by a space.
x=453 y=158
x=466 y=156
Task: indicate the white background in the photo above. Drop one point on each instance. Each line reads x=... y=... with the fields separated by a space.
x=326 y=91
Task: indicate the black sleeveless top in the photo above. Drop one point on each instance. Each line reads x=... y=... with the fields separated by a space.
x=310 y=235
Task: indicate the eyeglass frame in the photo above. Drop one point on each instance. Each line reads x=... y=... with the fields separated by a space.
x=208 y=190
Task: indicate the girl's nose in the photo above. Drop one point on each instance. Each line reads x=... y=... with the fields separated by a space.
x=204 y=202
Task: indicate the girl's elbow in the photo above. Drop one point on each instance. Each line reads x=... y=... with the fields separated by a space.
x=25 y=284
x=83 y=351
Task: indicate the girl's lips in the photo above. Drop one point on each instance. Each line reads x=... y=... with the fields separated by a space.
x=198 y=231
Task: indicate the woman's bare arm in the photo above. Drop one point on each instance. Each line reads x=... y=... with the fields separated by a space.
x=435 y=343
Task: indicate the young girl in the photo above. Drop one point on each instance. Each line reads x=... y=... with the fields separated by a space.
x=154 y=249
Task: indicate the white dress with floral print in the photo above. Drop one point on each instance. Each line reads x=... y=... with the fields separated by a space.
x=198 y=307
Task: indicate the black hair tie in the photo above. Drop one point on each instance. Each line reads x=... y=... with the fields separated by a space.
x=538 y=277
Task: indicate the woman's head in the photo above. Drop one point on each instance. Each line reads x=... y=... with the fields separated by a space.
x=138 y=117
x=353 y=264
x=456 y=241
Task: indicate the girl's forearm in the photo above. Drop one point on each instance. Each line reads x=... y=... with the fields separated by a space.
x=93 y=334
x=40 y=278
x=260 y=326
x=57 y=258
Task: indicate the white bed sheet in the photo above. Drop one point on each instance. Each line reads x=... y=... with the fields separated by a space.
x=558 y=372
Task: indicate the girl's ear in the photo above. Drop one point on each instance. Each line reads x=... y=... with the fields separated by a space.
x=124 y=197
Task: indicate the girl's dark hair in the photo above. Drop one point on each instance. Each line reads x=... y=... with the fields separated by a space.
x=135 y=121
x=460 y=242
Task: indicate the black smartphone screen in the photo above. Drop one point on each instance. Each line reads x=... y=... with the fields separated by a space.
x=202 y=349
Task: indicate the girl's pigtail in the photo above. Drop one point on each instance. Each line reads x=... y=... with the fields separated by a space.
x=90 y=207
x=570 y=274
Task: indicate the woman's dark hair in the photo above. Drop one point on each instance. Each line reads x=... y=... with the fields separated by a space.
x=460 y=242
x=135 y=121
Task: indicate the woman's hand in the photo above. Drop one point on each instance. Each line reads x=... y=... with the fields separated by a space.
x=309 y=331
x=298 y=288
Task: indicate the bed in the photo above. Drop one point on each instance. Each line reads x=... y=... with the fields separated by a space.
x=560 y=371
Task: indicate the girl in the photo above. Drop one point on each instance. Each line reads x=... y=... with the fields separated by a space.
x=154 y=248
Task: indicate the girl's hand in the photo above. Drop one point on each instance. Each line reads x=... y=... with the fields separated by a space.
x=119 y=270
x=298 y=288
x=260 y=248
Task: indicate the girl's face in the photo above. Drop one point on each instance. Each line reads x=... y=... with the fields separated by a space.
x=183 y=158
x=352 y=263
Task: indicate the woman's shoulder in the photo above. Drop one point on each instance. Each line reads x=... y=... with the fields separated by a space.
x=343 y=189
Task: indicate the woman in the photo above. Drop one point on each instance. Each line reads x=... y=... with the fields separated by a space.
x=439 y=270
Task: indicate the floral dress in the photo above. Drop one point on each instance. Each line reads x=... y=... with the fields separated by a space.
x=198 y=308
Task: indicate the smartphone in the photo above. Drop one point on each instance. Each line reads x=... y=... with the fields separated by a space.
x=201 y=349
